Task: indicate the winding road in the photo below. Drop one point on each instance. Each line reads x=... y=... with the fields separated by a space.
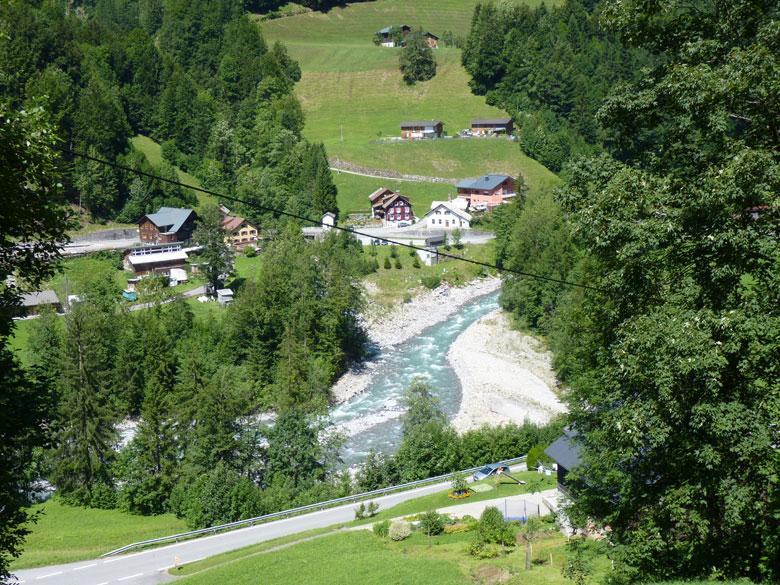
x=151 y=566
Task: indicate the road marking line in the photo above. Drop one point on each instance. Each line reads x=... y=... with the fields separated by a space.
x=85 y=567
x=160 y=570
x=49 y=575
x=103 y=583
x=130 y=577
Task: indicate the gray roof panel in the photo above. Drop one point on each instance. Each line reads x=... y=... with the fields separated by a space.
x=171 y=218
x=486 y=182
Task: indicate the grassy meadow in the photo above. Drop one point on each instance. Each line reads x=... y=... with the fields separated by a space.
x=354 y=191
x=353 y=97
x=65 y=534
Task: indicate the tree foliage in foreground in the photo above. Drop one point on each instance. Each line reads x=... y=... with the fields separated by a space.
x=674 y=363
x=32 y=224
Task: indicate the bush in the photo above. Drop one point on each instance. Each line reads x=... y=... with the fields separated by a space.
x=369 y=511
x=537 y=456
x=491 y=530
x=431 y=281
x=398 y=263
x=393 y=251
x=250 y=252
x=431 y=523
x=459 y=485
x=399 y=531
x=484 y=550
x=388 y=266
x=457 y=528
x=416 y=261
x=382 y=529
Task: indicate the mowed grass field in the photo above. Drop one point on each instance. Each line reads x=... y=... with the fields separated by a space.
x=353 y=96
x=354 y=191
x=64 y=533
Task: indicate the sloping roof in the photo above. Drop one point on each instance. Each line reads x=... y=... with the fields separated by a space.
x=491 y=121
x=448 y=205
x=232 y=222
x=387 y=29
x=416 y=123
x=390 y=200
x=486 y=182
x=430 y=34
x=378 y=193
x=565 y=451
x=169 y=218
x=41 y=297
x=141 y=259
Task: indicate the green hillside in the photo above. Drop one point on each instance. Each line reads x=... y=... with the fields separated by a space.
x=353 y=96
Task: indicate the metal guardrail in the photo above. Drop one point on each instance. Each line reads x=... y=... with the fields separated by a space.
x=293 y=511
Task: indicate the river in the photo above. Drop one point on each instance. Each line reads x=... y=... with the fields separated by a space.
x=374 y=413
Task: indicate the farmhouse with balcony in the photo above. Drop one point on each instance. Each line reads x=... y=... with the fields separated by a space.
x=487 y=191
x=168 y=225
x=489 y=126
x=431 y=39
x=239 y=232
x=391 y=207
x=447 y=215
x=158 y=259
x=415 y=129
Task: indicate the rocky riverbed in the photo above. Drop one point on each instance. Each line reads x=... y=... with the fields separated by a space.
x=404 y=321
x=505 y=375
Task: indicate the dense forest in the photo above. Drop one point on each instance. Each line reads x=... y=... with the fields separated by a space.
x=197 y=77
x=550 y=68
x=671 y=346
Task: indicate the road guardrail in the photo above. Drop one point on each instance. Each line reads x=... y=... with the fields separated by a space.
x=298 y=510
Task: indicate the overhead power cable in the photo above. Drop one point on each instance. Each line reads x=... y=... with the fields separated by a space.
x=317 y=222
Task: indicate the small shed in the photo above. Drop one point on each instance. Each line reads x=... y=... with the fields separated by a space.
x=33 y=302
x=565 y=451
x=224 y=296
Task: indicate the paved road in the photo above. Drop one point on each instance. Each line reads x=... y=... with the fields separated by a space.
x=87 y=247
x=150 y=567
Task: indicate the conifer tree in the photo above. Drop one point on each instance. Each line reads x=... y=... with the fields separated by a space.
x=416 y=61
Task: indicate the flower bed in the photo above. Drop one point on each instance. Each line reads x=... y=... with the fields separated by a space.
x=459 y=495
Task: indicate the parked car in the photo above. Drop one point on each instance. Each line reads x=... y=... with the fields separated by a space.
x=489 y=470
x=404 y=224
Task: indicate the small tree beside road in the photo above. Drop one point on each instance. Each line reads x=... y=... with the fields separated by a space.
x=216 y=254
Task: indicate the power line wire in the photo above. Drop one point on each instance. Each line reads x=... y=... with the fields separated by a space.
x=318 y=222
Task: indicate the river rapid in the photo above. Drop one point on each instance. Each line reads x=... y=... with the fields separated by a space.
x=371 y=419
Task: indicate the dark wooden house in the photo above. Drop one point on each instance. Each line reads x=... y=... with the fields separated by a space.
x=422 y=129
x=168 y=225
x=487 y=126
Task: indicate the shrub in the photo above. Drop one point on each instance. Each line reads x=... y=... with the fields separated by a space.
x=382 y=529
x=393 y=251
x=398 y=263
x=388 y=266
x=372 y=509
x=431 y=281
x=407 y=297
x=412 y=252
x=431 y=523
x=491 y=530
x=399 y=531
x=457 y=528
x=459 y=485
x=250 y=252
x=416 y=261
x=537 y=456
x=484 y=550
x=363 y=511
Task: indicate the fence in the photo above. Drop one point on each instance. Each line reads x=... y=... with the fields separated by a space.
x=298 y=510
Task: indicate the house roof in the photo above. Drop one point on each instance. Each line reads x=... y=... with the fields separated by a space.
x=416 y=123
x=487 y=182
x=378 y=193
x=232 y=222
x=453 y=208
x=430 y=34
x=387 y=29
x=565 y=450
x=390 y=200
x=41 y=297
x=169 y=219
x=491 y=121
x=141 y=259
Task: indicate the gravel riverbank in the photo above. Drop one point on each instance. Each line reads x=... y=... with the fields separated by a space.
x=405 y=321
x=505 y=375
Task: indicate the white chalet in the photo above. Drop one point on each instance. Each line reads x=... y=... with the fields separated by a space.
x=447 y=215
